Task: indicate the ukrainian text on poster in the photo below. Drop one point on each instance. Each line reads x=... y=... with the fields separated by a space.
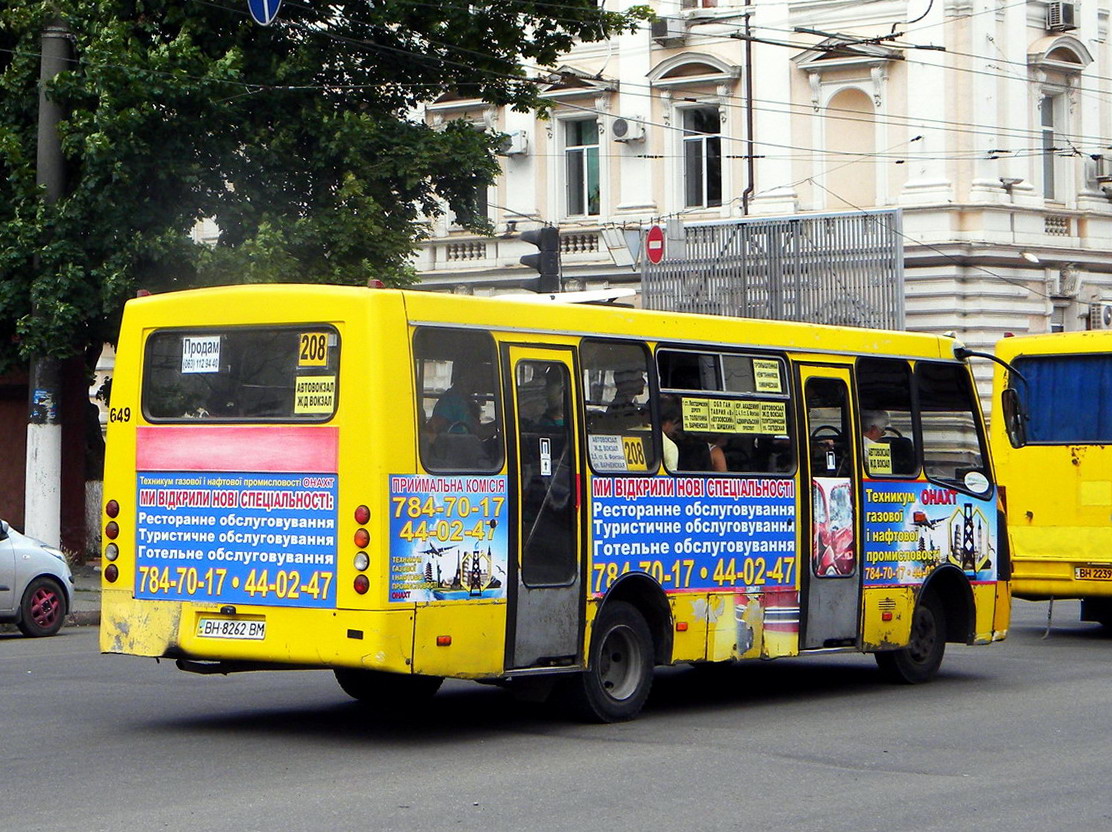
x=448 y=538
x=912 y=528
x=694 y=534
x=239 y=538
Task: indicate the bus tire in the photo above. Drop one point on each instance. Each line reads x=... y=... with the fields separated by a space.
x=388 y=690
x=619 y=671
x=920 y=660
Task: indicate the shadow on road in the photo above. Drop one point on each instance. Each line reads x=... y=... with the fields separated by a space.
x=463 y=710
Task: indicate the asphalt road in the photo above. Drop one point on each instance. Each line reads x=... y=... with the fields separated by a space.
x=1009 y=737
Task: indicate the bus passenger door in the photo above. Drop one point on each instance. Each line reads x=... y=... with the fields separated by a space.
x=545 y=613
x=832 y=553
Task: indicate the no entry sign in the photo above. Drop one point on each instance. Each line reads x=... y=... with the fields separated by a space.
x=654 y=244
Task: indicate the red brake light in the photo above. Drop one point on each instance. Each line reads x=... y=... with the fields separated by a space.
x=362 y=584
x=112 y=530
x=362 y=515
x=111 y=572
x=112 y=508
x=362 y=538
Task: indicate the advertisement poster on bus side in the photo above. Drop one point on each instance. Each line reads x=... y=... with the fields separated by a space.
x=448 y=538
x=237 y=538
x=694 y=534
x=913 y=527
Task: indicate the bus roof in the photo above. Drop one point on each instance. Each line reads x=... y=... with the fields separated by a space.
x=240 y=304
x=1055 y=343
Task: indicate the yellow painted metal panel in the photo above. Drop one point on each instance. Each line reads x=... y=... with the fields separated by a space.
x=478 y=633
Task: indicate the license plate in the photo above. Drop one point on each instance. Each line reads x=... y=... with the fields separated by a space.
x=1093 y=573
x=231 y=628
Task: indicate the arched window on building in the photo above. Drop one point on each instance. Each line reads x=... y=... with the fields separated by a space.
x=1056 y=64
x=695 y=102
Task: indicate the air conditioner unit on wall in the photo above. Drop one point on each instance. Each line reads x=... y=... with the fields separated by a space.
x=669 y=31
x=1061 y=17
x=1102 y=169
x=627 y=130
x=514 y=144
x=1100 y=315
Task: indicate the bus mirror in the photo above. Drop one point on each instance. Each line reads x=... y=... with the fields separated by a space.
x=1014 y=417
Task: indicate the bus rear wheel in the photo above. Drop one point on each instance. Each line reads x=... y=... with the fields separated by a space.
x=619 y=671
x=920 y=660
x=388 y=690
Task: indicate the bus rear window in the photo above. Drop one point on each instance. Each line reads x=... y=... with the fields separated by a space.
x=241 y=374
x=1068 y=398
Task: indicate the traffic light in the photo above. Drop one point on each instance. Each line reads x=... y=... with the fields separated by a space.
x=547 y=259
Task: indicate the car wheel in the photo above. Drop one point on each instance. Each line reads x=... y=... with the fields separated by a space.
x=43 y=609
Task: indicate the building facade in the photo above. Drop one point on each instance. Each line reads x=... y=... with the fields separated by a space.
x=988 y=123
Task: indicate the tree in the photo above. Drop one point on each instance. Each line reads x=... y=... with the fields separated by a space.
x=296 y=138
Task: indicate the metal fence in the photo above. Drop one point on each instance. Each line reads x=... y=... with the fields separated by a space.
x=844 y=269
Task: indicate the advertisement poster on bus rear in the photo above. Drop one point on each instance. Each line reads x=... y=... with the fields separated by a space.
x=913 y=527
x=238 y=538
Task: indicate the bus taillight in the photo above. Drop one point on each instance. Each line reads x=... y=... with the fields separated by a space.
x=362 y=584
x=112 y=508
x=362 y=515
x=362 y=538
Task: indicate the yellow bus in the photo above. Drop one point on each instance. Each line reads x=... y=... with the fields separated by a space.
x=1052 y=433
x=407 y=486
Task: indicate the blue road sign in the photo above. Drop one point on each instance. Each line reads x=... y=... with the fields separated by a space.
x=264 y=11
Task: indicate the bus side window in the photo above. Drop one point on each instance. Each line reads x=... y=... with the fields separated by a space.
x=620 y=436
x=459 y=407
x=733 y=412
x=887 y=428
x=953 y=447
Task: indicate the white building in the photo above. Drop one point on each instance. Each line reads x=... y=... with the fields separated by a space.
x=988 y=122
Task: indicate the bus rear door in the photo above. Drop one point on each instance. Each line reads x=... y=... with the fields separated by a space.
x=546 y=594
x=833 y=583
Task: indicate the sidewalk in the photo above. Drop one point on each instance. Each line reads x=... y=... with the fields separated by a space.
x=86 y=596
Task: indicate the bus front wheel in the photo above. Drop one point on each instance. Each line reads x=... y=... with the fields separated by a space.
x=920 y=660
x=392 y=690
x=619 y=667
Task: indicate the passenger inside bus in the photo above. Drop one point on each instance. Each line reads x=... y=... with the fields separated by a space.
x=553 y=415
x=456 y=435
x=692 y=452
x=458 y=410
x=625 y=408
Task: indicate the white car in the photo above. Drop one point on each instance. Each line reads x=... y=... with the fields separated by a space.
x=36 y=584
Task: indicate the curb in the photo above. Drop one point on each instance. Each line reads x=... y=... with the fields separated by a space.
x=85 y=618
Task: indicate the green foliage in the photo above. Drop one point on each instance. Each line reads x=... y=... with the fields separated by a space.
x=297 y=139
